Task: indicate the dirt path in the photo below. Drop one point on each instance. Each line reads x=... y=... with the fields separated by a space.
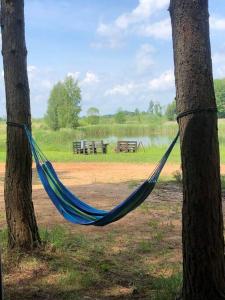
x=88 y=173
x=100 y=184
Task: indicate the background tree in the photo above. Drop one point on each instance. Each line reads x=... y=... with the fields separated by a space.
x=157 y=109
x=120 y=117
x=202 y=219
x=22 y=226
x=137 y=114
x=54 y=102
x=93 y=115
x=151 y=107
x=64 y=105
x=219 y=85
x=171 y=111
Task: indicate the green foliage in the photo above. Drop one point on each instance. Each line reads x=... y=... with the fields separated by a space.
x=93 y=116
x=138 y=115
x=64 y=105
x=151 y=107
x=120 y=117
x=158 y=109
x=171 y=111
x=155 y=108
x=219 y=85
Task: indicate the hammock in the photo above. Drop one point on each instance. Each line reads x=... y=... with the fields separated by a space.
x=77 y=211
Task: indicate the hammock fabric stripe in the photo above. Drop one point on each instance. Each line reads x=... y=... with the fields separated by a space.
x=78 y=212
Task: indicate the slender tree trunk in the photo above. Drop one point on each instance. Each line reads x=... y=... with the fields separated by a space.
x=202 y=233
x=22 y=226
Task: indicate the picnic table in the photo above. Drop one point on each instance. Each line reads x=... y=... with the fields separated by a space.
x=89 y=147
x=126 y=146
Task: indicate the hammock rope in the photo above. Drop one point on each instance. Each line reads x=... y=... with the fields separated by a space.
x=78 y=212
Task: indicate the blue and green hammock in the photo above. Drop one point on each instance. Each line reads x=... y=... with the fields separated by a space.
x=77 y=211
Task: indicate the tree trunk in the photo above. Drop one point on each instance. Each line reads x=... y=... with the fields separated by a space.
x=22 y=226
x=202 y=225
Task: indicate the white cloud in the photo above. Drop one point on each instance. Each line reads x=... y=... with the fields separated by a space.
x=158 y=30
x=90 y=78
x=218 y=58
x=74 y=75
x=39 y=79
x=142 y=12
x=122 y=89
x=164 y=82
x=31 y=68
x=217 y=23
x=134 y=22
x=104 y=29
x=113 y=36
x=32 y=71
x=144 y=58
x=46 y=84
x=40 y=82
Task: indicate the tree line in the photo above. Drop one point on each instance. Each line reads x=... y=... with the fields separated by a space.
x=64 y=107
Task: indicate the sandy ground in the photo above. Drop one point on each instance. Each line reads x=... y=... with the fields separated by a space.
x=100 y=184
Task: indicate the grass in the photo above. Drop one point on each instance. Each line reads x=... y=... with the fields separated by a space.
x=166 y=288
x=74 y=270
x=115 y=264
x=153 y=127
x=150 y=155
x=57 y=146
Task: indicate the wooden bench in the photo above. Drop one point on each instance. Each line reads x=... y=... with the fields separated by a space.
x=126 y=146
x=95 y=147
x=89 y=147
x=77 y=148
x=101 y=146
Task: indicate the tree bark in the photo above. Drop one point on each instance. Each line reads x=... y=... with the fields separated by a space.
x=22 y=226
x=202 y=225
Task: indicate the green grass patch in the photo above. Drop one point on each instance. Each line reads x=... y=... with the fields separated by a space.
x=76 y=266
x=57 y=145
x=167 y=288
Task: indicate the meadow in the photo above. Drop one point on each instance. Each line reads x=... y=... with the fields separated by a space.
x=57 y=145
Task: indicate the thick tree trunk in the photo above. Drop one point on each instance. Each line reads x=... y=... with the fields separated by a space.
x=202 y=233
x=22 y=226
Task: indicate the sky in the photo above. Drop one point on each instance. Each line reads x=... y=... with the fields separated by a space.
x=120 y=51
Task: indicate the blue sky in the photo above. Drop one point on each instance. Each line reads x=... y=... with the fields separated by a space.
x=119 y=50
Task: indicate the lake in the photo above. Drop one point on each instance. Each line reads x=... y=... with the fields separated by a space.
x=147 y=141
